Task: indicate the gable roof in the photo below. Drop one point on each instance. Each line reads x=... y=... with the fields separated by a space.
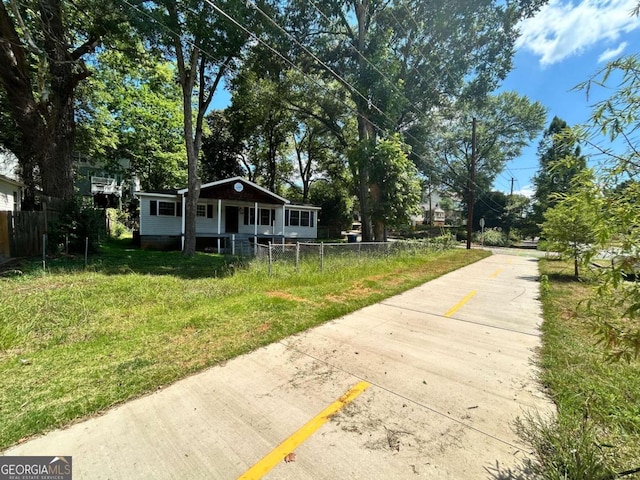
x=246 y=191
x=11 y=181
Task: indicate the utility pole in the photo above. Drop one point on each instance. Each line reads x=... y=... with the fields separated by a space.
x=430 y=207
x=471 y=184
x=509 y=211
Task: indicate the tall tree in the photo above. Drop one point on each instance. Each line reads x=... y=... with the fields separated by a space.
x=396 y=179
x=507 y=123
x=205 y=44
x=402 y=58
x=43 y=47
x=260 y=114
x=560 y=161
x=223 y=155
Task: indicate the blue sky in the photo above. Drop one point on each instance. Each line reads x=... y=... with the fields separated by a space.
x=563 y=45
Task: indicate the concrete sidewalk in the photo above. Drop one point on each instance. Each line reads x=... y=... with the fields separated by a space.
x=448 y=366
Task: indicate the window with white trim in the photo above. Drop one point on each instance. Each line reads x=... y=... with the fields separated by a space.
x=266 y=216
x=299 y=218
x=167 y=208
x=201 y=210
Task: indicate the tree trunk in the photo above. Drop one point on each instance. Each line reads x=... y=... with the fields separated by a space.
x=368 y=194
x=56 y=164
x=46 y=126
x=193 y=182
x=378 y=223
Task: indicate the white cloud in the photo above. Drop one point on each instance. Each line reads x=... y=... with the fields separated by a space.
x=611 y=53
x=562 y=29
x=527 y=191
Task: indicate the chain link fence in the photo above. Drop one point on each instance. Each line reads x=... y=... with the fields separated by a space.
x=322 y=256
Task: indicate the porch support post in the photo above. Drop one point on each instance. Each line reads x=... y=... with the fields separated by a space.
x=255 y=229
x=219 y=214
x=219 y=220
x=284 y=222
x=182 y=224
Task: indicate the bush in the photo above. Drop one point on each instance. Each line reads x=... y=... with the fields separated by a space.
x=491 y=238
x=74 y=223
x=117 y=220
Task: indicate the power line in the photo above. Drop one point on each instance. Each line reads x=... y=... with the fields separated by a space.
x=463 y=175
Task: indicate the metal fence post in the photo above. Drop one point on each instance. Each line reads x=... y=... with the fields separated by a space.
x=44 y=251
x=321 y=257
x=297 y=257
x=270 y=258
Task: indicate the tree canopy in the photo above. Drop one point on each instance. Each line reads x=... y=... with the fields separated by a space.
x=560 y=161
x=344 y=92
x=507 y=122
x=44 y=47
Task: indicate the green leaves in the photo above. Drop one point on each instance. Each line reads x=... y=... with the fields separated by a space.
x=396 y=178
x=132 y=109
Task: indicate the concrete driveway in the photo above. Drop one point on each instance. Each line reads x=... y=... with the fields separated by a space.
x=425 y=384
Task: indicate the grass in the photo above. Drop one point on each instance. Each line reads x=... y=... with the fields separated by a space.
x=75 y=341
x=597 y=432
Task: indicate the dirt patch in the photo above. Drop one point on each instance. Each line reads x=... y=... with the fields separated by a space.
x=263 y=327
x=357 y=291
x=286 y=296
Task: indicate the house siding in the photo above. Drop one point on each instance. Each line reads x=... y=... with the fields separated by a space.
x=8 y=193
x=158 y=225
x=163 y=231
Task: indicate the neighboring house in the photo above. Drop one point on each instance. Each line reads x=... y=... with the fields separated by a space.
x=229 y=211
x=438 y=217
x=106 y=185
x=10 y=185
x=10 y=194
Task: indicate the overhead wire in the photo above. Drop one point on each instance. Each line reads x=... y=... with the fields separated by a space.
x=289 y=62
x=279 y=27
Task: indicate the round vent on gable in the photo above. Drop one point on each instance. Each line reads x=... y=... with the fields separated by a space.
x=238 y=187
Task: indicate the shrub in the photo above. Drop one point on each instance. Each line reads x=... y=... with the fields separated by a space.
x=74 y=223
x=491 y=238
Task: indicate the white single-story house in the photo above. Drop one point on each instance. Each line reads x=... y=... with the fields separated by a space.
x=229 y=211
x=10 y=194
x=10 y=185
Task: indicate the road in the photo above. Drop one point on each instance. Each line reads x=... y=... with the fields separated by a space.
x=425 y=384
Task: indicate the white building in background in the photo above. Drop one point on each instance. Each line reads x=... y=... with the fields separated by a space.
x=11 y=187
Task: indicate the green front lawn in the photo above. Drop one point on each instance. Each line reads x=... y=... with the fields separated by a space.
x=74 y=342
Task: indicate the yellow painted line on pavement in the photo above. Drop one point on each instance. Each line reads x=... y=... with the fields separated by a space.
x=496 y=273
x=458 y=305
x=294 y=441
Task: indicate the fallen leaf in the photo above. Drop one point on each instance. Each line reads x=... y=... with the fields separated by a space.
x=290 y=457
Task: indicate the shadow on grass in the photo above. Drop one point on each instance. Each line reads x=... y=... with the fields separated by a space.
x=565 y=278
x=121 y=257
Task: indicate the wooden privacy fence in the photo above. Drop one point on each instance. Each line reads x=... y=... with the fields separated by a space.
x=5 y=249
x=25 y=230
